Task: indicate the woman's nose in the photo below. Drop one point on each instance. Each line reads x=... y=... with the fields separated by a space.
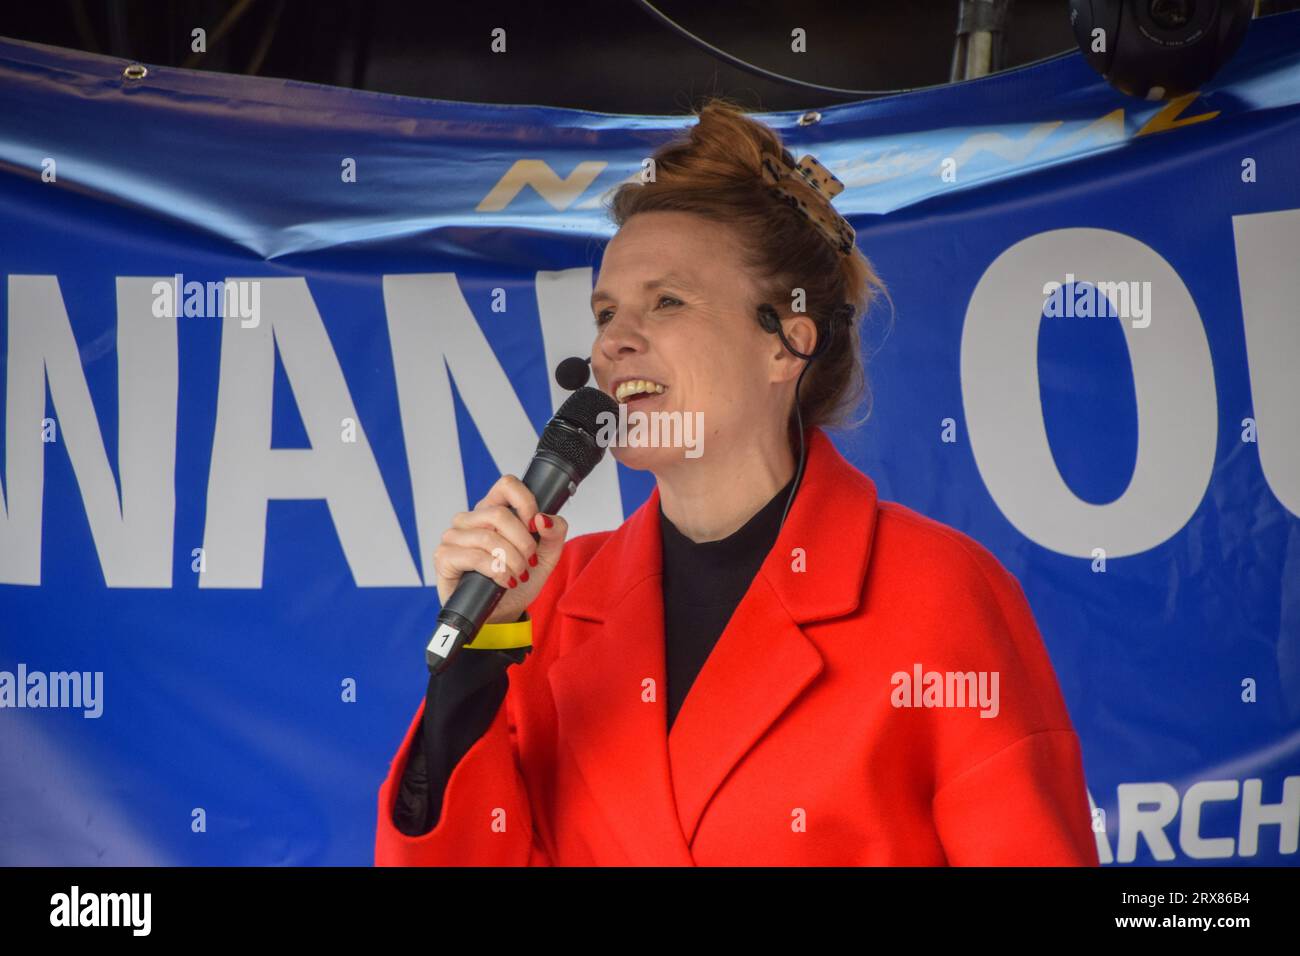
x=622 y=333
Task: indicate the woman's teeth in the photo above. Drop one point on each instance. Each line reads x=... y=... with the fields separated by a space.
x=638 y=386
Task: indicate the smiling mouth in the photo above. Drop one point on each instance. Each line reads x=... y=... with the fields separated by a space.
x=637 y=390
x=641 y=398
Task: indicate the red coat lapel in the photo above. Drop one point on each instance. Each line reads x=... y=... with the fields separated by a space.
x=655 y=787
x=619 y=740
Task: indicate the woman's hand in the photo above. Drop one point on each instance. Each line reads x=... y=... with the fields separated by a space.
x=497 y=542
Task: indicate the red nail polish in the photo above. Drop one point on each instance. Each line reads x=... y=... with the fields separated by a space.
x=532 y=561
x=523 y=576
x=512 y=582
x=547 y=520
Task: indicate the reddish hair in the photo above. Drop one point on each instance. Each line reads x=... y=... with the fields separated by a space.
x=715 y=171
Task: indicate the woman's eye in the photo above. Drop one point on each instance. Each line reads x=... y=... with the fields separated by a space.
x=601 y=316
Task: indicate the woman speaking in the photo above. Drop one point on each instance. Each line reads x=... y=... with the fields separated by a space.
x=764 y=664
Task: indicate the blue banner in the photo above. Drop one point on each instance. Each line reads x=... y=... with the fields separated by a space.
x=260 y=339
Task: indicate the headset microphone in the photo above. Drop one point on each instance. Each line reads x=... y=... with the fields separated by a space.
x=573 y=373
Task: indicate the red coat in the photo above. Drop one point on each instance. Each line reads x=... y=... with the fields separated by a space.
x=789 y=749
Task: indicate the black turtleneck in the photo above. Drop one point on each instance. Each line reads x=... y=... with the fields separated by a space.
x=702 y=584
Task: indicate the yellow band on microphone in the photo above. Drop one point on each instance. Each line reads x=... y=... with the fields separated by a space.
x=492 y=637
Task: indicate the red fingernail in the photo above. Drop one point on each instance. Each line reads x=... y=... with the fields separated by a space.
x=532 y=561
x=547 y=520
x=523 y=576
x=512 y=582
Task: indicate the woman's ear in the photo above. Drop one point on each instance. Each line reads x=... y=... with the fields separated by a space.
x=801 y=332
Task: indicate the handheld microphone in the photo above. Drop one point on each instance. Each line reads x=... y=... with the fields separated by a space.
x=566 y=454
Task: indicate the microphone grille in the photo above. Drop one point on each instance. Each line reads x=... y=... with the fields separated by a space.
x=581 y=410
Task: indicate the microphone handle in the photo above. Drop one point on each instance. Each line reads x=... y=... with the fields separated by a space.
x=551 y=480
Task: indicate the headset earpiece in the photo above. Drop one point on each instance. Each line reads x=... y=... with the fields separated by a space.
x=771 y=322
x=768 y=319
